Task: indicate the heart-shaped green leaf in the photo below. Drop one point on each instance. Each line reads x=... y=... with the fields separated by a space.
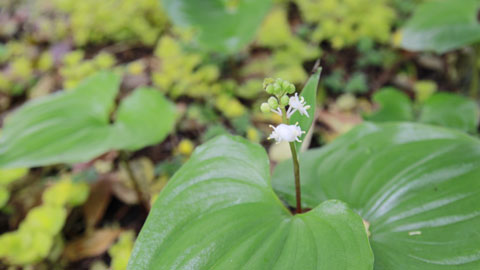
x=450 y=110
x=221 y=25
x=309 y=93
x=417 y=185
x=220 y=212
x=73 y=126
x=442 y=25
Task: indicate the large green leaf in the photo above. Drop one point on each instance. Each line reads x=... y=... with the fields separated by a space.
x=442 y=25
x=220 y=212
x=221 y=25
x=66 y=126
x=73 y=126
x=417 y=185
x=450 y=110
x=309 y=92
x=394 y=106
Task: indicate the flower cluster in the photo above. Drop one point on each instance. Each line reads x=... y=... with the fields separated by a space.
x=277 y=103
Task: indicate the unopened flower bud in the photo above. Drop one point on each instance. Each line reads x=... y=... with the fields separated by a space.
x=291 y=88
x=265 y=108
x=284 y=100
x=269 y=89
x=273 y=103
x=267 y=82
x=277 y=89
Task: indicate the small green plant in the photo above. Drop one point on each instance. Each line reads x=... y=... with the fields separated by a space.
x=36 y=234
x=8 y=176
x=412 y=184
x=76 y=68
x=24 y=63
x=278 y=101
x=74 y=126
x=344 y=22
x=289 y=51
x=120 y=251
x=179 y=72
x=125 y=21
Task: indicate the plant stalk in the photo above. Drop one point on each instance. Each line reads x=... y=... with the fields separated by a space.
x=296 y=172
x=296 y=168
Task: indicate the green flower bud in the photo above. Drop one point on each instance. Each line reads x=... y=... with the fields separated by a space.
x=291 y=88
x=267 y=82
x=284 y=100
x=269 y=89
x=273 y=103
x=277 y=89
x=285 y=85
x=265 y=108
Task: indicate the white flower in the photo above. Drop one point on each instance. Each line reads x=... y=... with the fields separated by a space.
x=297 y=104
x=287 y=133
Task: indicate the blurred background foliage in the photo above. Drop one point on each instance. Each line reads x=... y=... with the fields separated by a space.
x=383 y=60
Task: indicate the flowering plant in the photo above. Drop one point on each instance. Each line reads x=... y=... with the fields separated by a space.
x=277 y=103
x=407 y=193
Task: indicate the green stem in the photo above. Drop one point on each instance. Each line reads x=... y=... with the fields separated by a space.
x=296 y=172
x=296 y=168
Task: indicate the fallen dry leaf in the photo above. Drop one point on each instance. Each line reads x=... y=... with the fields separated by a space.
x=91 y=245
x=97 y=203
x=337 y=123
